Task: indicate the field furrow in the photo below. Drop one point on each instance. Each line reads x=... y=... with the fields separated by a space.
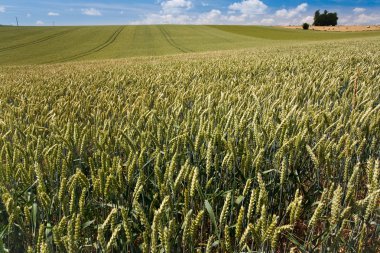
x=40 y=40
x=170 y=40
x=108 y=42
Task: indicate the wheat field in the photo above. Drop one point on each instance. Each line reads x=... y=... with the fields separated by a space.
x=47 y=45
x=273 y=149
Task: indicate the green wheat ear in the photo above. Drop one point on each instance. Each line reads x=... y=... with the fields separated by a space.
x=270 y=148
x=336 y=206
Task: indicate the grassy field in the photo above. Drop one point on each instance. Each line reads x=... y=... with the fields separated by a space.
x=265 y=146
x=280 y=34
x=36 y=45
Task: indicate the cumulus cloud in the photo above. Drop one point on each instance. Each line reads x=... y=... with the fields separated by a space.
x=91 y=12
x=307 y=19
x=267 y=21
x=2 y=9
x=53 y=13
x=290 y=13
x=364 y=19
x=359 y=10
x=39 y=22
x=241 y=12
x=211 y=17
x=176 y=6
x=244 y=12
x=360 y=19
x=249 y=7
x=171 y=12
x=164 y=19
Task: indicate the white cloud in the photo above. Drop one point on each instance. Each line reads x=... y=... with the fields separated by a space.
x=359 y=10
x=282 y=13
x=243 y=12
x=360 y=19
x=239 y=19
x=164 y=19
x=364 y=19
x=176 y=6
x=211 y=17
x=39 y=22
x=249 y=7
x=267 y=21
x=345 y=20
x=290 y=13
x=218 y=17
x=53 y=13
x=91 y=12
x=172 y=12
x=204 y=4
x=2 y=9
x=308 y=19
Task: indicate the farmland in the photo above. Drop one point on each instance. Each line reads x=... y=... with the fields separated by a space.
x=198 y=139
x=35 y=45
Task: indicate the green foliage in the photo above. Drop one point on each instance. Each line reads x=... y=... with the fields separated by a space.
x=238 y=151
x=305 y=26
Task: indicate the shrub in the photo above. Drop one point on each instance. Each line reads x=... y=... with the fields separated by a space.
x=305 y=26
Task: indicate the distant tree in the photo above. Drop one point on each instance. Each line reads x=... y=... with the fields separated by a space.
x=325 y=19
x=317 y=19
x=305 y=26
x=332 y=19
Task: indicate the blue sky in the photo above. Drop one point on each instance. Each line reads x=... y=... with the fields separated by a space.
x=264 y=12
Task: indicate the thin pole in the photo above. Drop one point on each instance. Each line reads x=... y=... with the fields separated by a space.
x=17 y=21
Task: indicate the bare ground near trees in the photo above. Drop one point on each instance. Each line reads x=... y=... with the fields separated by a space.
x=340 y=28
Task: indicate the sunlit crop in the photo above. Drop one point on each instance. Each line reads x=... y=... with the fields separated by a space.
x=265 y=150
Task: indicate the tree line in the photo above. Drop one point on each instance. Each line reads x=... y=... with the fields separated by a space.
x=325 y=19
